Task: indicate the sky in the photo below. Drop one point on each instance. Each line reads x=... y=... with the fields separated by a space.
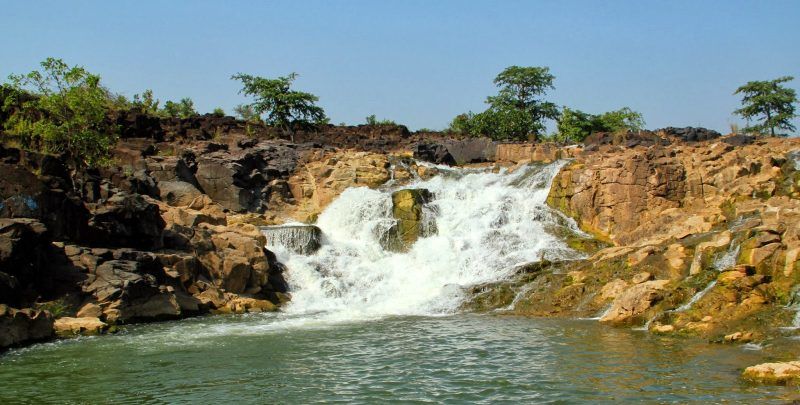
x=420 y=63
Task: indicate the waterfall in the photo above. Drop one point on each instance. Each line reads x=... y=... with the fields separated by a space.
x=727 y=259
x=487 y=224
x=295 y=238
x=695 y=297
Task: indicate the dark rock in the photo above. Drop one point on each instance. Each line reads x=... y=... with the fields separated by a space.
x=19 y=326
x=739 y=140
x=22 y=259
x=690 y=134
x=434 y=153
x=126 y=220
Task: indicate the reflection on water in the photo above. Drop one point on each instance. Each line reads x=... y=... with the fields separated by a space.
x=463 y=358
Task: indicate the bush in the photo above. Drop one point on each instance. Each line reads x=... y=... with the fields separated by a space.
x=181 y=109
x=66 y=112
x=576 y=125
x=372 y=120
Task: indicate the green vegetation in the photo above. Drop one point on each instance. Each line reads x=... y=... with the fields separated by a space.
x=219 y=112
x=181 y=109
x=247 y=113
x=768 y=102
x=285 y=108
x=516 y=112
x=372 y=120
x=60 y=109
x=576 y=125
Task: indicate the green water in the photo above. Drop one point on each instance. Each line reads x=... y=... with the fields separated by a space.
x=455 y=359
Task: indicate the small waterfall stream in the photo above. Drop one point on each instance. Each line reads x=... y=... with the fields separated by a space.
x=487 y=224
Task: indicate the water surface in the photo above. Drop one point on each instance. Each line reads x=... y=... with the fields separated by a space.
x=276 y=358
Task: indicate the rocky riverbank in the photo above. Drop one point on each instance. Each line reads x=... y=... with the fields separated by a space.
x=690 y=233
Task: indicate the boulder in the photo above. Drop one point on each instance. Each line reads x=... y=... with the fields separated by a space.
x=407 y=210
x=126 y=220
x=635 y=301
x=66 y=326
x=127 y=290
x=22 y=259
x=178 y=193
x=774 y=373
x=19 y=326
x=434 y=153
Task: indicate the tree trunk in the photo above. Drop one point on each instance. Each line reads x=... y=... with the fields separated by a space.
x=769 y=122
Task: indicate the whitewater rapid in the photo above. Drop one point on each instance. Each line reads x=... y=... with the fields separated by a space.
x=488 y=223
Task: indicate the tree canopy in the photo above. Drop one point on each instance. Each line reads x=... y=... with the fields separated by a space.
x=61 y=109
x=518 y=111
x=284 y=107
x=768 y=102
x=576 y=125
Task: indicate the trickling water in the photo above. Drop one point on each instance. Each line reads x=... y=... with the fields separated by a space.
x=727 y=259
x=296 y=238
x=487 y=224
x=696 y=297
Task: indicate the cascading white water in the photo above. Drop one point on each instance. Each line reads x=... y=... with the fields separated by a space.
x=488 y=223
x=696 y=297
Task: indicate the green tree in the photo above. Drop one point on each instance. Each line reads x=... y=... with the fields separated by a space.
x=770 y=102
x=66 y=112
x=146 y=102
x=373 y=120
x=219 y=112
x=576 y=125
x=181 y=109
x=246 y=113
x=284 y=108
x=518 y=111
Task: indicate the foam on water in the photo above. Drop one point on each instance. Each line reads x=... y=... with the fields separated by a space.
x=488 y=223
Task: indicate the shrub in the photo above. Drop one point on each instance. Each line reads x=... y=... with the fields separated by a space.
x=66 y=112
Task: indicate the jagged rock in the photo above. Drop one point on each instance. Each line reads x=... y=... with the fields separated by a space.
x=408 y=212
x=613 y=289
x=22 y=257
x=300 y=239
x=690 y=134
x=66 y=326
x=240 y=180
x=126 y=220
x=90 y=310
x=634 y=301
x=434 y=153
x=19 y=326
x=128 y=290
x=774 y=373
x=178 y=193
x=641 y=277
x=316 y=183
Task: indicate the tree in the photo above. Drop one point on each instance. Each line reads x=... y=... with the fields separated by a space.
x=372 y=120
x=246 y=113
x=146 y=102
x=219 y=112
x=66 y=112
x=181 y=109
x=770 y=102
x=285 y=108
x=517 y=112
x=576 y=125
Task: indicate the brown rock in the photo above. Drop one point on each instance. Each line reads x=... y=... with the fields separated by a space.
x=90 y=310
x=773 y=373
x=67 y=326
x=634 y=301
x=641 y=277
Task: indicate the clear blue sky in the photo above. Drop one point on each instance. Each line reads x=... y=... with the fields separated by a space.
x=421 y=62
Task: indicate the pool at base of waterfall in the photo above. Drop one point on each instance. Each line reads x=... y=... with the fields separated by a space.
x=279 y=358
